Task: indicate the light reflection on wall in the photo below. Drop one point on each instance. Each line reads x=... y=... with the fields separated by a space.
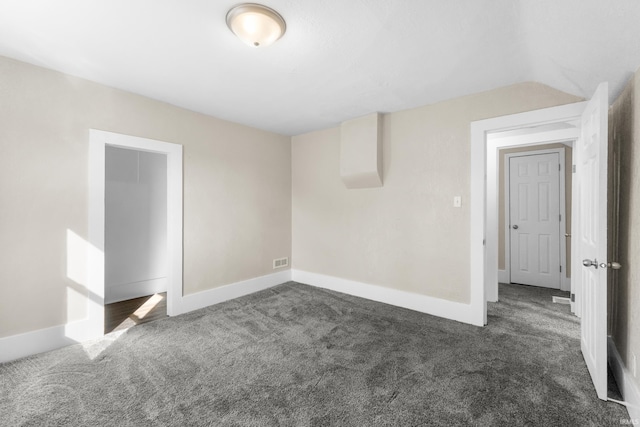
x=85 y=292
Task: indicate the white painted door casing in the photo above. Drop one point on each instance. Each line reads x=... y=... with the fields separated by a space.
x=483 y=257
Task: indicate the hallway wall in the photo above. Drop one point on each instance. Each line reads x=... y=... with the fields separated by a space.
x=624 y=291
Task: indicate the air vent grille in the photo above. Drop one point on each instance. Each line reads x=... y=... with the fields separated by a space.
x=281 y=262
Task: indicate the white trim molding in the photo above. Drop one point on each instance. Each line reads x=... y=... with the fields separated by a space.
x=43 y=340
x=626 y=384
x=425 y=304
x=126 y=291
x=235 y=290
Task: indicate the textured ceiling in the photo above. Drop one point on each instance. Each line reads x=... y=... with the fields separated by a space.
x=338 y=60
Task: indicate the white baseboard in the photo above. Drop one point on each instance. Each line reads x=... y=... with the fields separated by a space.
x=422 y=303
x=626 y=384
x=224 y=293
x=42 y=340
x=503 y=276
x=565 y=282
x=22 y=345
x=127 y=291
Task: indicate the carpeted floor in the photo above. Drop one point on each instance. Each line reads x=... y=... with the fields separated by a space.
x=299 y=356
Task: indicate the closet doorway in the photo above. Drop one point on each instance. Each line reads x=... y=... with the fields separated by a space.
x=136 y=255
x=125 y=281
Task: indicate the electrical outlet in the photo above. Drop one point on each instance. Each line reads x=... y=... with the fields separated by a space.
x=457 y=202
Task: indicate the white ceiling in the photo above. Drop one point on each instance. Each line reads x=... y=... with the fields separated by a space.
x=338 y=60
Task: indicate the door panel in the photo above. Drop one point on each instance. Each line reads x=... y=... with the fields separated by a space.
x=534 y=200
x=544 y=247
x=591 y=290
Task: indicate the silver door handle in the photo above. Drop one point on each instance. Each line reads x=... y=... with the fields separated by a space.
x=515 y=227
x=589 y=263
x=567 y=235
x=611 y=265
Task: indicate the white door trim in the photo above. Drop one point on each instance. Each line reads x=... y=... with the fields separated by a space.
x=484 y=205
x=491 y=171
x=564 y=285
x=98 y=140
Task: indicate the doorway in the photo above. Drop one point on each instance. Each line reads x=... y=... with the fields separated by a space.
x=98 y=143
x=587 y=126
x=135 y=236
x=534 y=215
x=484 y=185
x=534 y=220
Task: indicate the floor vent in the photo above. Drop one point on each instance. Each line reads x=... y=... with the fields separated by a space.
x=561 y=300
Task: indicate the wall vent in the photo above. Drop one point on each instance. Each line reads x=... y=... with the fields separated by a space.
x=281 y=262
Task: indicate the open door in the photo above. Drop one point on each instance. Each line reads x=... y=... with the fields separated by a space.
x=591 y=237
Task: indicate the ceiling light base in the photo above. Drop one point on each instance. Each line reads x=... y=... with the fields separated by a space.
x=255 y=24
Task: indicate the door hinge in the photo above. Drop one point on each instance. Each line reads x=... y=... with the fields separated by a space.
x=573 y=168
x=573 y=297
x=559 y=167
x=560 y=217
x=560 y=269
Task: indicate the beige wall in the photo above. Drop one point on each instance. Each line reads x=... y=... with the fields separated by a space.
x=237 y=189
x=501 y=208
x=625 y=293
x=406 y=235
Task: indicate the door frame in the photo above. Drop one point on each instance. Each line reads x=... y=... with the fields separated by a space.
x=484 y=181
x=98 y=140
x=565 y=284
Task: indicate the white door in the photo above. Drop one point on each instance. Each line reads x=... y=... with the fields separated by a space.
x=534 y=218
x=591 y=239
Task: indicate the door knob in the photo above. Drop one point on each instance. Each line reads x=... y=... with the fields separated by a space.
x=611 y=265
x=589 y=263
x=515 y=227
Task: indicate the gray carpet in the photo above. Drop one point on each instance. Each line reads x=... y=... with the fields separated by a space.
x=298 y=356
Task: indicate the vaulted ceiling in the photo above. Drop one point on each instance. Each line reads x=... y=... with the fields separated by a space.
x=338 y=59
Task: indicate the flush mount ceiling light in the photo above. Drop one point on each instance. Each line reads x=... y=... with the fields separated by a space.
x=255 y=24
